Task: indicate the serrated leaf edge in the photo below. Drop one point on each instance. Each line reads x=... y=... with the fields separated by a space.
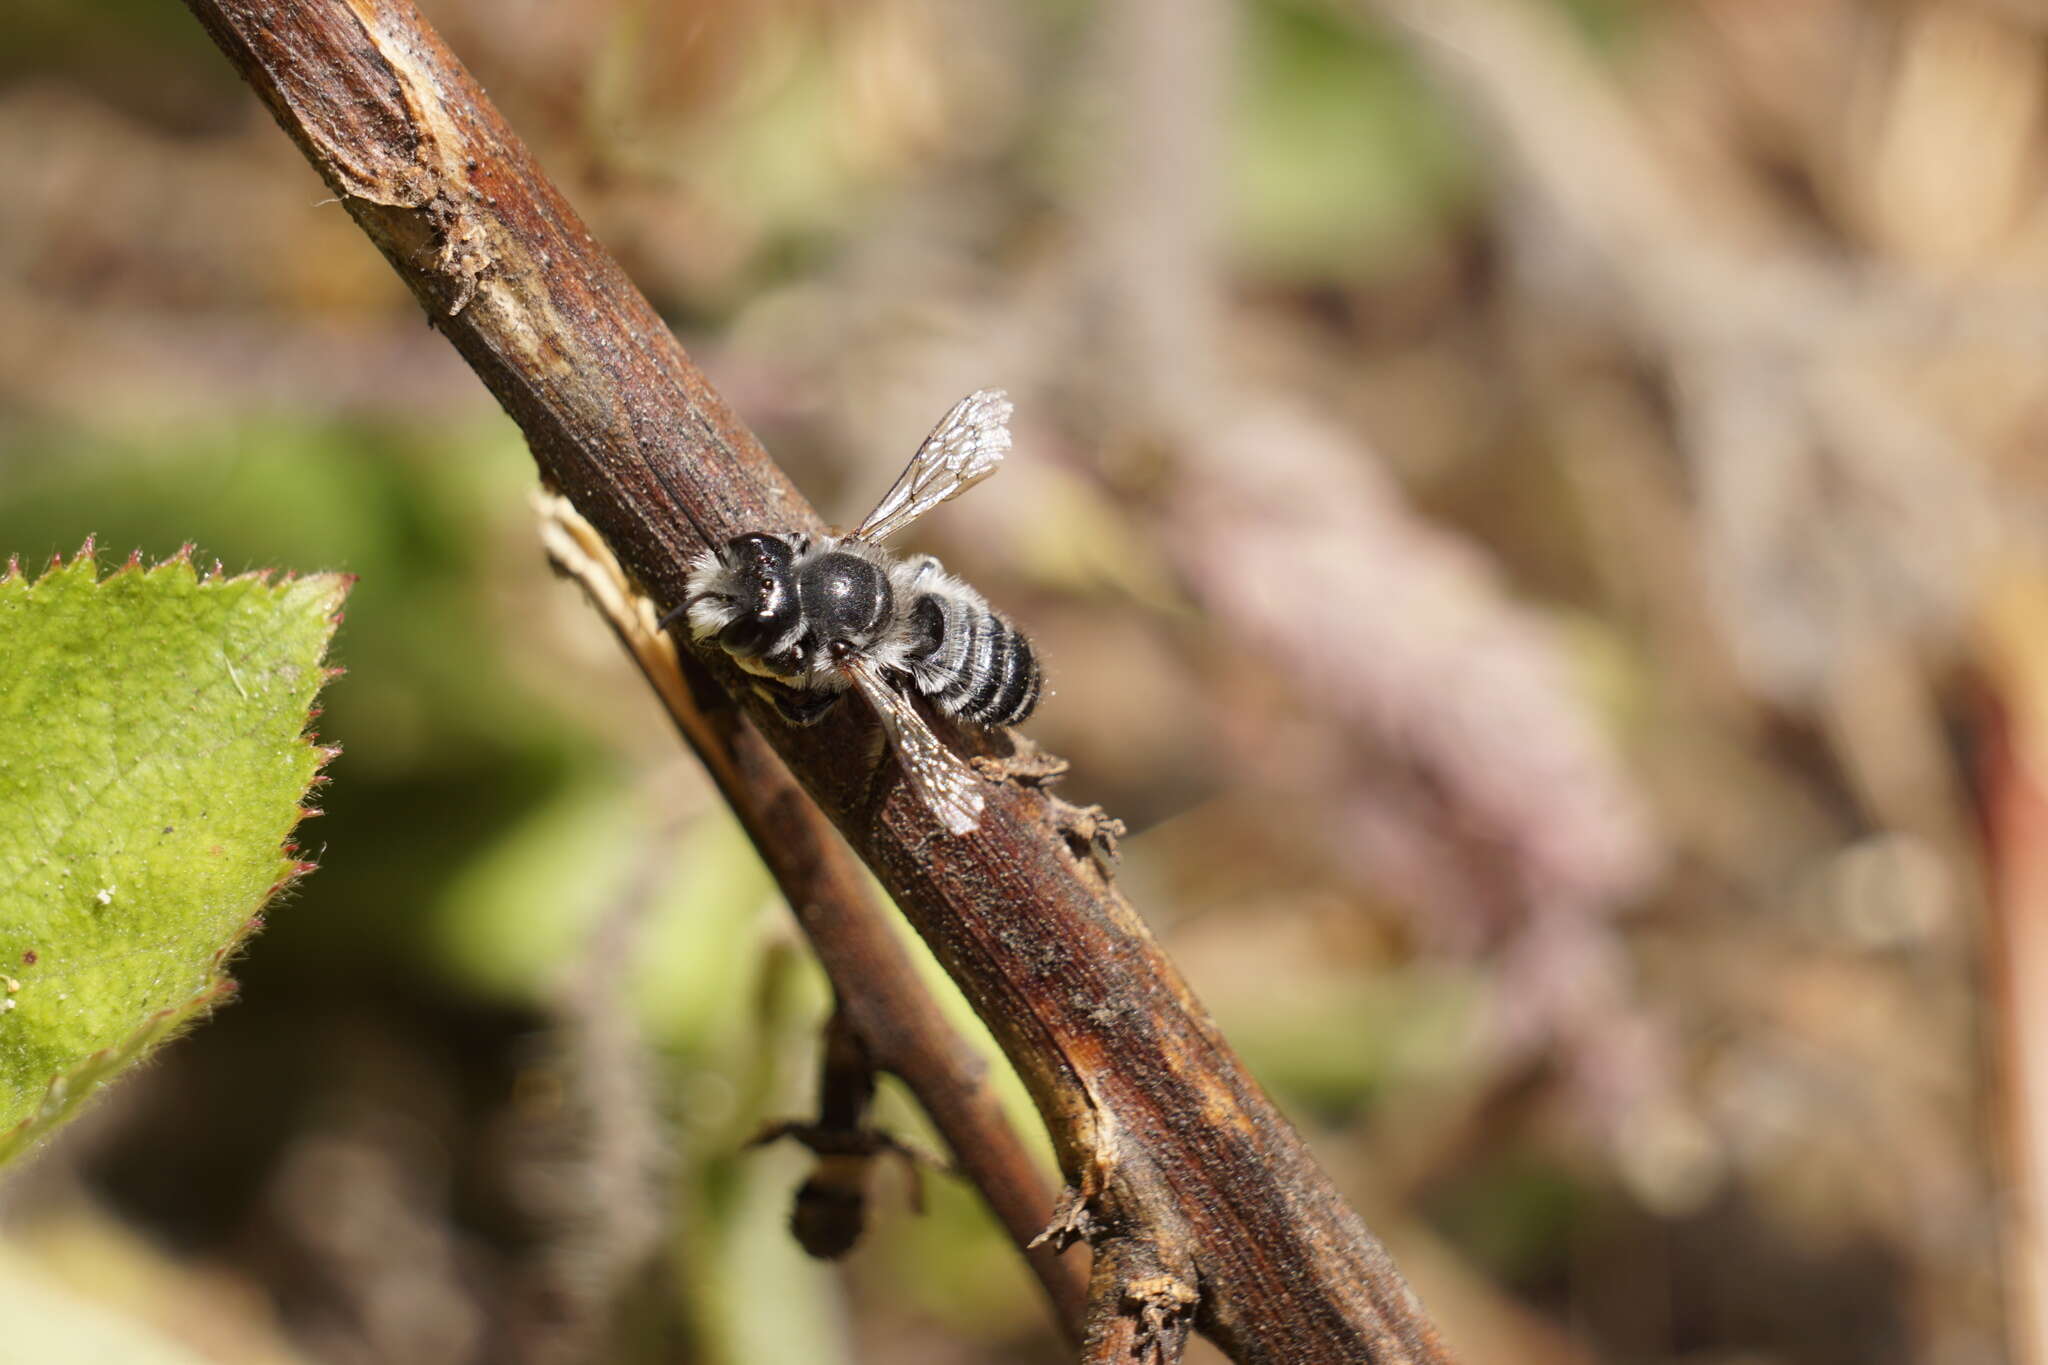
x=273 y=578
x=59 y=1101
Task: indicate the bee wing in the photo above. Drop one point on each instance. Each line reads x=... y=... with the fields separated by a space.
x=934 y=772
x=963 y=449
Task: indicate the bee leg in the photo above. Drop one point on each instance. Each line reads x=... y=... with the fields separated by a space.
x=797 y=706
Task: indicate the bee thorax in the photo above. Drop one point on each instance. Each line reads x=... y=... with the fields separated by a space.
x=843 y=596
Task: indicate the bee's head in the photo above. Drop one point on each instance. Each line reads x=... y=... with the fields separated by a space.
x=745 y=595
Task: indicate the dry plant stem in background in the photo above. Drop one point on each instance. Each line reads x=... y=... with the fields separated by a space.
x=1202 y=1203
x=880 y=994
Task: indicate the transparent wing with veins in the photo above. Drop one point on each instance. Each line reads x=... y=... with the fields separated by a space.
x=963 y=449
x=935 y=773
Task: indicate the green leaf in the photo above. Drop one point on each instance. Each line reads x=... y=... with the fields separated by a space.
x=152 y=764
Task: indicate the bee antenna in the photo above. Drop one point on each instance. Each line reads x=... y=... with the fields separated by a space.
x=672 y=616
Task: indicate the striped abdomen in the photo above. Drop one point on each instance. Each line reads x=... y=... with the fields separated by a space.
x=971 y=662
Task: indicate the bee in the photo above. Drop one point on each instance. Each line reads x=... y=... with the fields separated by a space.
x=816 y=617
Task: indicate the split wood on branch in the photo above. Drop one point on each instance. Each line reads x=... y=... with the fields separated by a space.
x=1181 y=1169
x=881 y=997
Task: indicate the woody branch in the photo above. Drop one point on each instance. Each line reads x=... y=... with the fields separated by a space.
x=1201 y=1201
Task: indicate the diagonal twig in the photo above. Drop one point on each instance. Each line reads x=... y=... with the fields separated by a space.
x=1171 y=1148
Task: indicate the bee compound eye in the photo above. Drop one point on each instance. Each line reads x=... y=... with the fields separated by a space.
x=744 y=638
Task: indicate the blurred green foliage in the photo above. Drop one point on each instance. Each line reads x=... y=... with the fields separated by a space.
x=1341 y=161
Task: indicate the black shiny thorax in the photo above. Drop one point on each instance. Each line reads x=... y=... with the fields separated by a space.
x=843 y=596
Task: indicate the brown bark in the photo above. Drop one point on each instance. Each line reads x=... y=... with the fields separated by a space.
x=1182 y=1169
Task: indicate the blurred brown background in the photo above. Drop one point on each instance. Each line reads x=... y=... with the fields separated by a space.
x=1535 y=514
